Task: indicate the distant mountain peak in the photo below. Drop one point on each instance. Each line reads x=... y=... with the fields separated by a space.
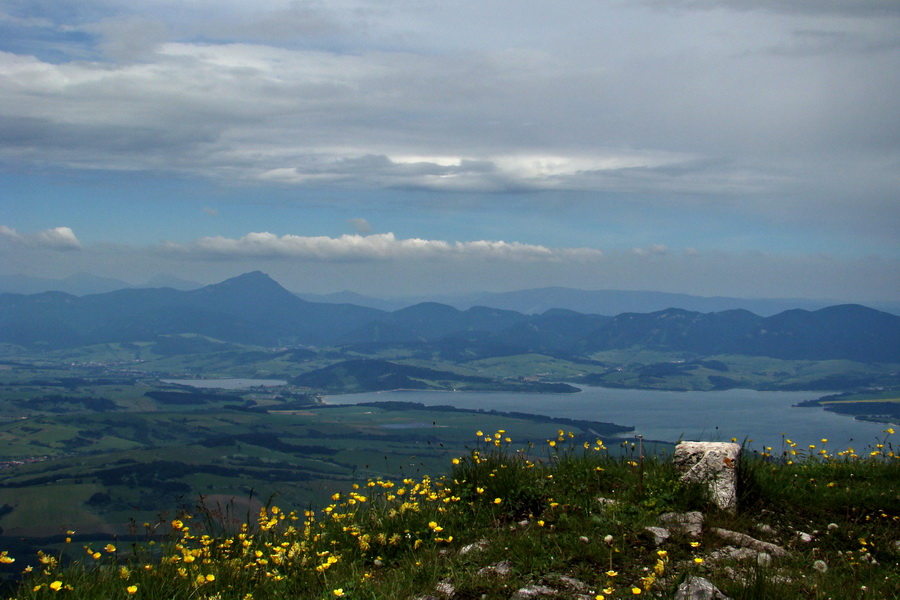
x=253 y=278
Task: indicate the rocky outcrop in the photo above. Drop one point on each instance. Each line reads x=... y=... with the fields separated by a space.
x=745 y=541
x=712 y=463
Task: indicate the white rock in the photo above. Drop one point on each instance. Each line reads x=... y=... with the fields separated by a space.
x=712 y=463
x=804 y=537
x=445 y=588
x=698 y=588
x=479 y=545
x=660 y=534
x=533 y=591
x=690 y=523
x=745 y=541
x=501 y=569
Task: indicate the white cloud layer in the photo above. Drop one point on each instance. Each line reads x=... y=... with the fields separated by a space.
x=375 y=247
x=718 y=99
x=721 y=127
x=57 y=238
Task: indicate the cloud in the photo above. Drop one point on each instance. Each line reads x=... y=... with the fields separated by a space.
x=699 y=100
x=57 y=238
x=653 y=250
x=212 y=212
x=861 y=8
x=375 y=247
x=128 y=37
x=360 y=225
x=627 y=170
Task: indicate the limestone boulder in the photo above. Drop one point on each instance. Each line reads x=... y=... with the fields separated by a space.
x=714 y=464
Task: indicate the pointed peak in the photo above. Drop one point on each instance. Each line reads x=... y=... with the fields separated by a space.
x=255 y=280
x=251 y=278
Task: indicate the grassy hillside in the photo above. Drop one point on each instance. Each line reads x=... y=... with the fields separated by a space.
x=564 y=514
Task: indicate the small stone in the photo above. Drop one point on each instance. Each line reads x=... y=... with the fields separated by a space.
x=479 y=545
x=804 y=537
x=730 y=553
x=764 y=559
x=501 y=569
x=608 y=539
x=576 y=585
x=699 y=588
x=690 y=523
x=832 y=526
x=584 y=539
x=524 y=523
x=659 y=534
x=744 y=540
x=533 y=591
x=445 y=588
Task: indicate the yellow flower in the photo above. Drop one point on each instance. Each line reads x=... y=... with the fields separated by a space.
x=455 y=461
x=210 y=578
x=636 y=591
x=698 y=560
x=612 y=574
x=4 y=559
x=498 y=500
x=479 y=433
x=694 y=544
x=177 y=524
x=339 y=592
x=56 y=585
x=599 y=597
x=131 y=589
x=109 y=548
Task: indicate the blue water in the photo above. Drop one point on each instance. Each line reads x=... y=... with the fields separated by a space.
x=226 y=384
x=669 y=416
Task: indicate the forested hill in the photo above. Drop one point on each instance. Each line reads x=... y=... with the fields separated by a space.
x=254 y=309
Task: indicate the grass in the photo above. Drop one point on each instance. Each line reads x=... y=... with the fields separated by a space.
x=567 y=513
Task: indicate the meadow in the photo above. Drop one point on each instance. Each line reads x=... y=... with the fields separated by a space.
x=565 y=513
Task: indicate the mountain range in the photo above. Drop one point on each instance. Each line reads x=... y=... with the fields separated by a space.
x=254 y=309
x=529 y=301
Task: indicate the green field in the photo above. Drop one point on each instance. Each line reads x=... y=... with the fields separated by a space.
x=93 y=440
x=97 y=451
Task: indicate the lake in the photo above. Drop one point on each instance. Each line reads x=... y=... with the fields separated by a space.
x=226 y=384
x=669 y=416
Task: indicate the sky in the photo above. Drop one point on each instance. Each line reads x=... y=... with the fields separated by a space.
x=711 y=147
